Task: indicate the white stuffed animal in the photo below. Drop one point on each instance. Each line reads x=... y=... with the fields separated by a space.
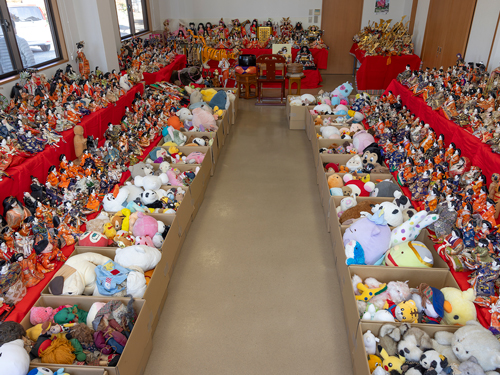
x=409 y=230
x=78 y=274
x=370 y=342
x=322 y=108
x=125 y=83
x=184 y=114
x=134 y=192
x=380 y=315
x=345 y=204
x=142 y=256
x=329 y=132
x=307 y=99
x=151 y=182
x=392 y=213
x=14 y=360
x=110 y=203
x=295 y=101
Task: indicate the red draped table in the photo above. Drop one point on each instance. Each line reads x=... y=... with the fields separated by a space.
x=377 y=72
x=165 y=73
x=479 y=153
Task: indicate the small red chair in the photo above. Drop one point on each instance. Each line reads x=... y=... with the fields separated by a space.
x=269 y=65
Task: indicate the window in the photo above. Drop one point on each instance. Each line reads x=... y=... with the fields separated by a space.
x=28 y=36
x=132 y=17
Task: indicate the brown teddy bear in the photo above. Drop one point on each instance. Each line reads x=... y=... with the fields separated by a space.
x=354 y=213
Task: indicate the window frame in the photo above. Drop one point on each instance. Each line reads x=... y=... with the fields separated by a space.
x=57 y=33
x=146 y=17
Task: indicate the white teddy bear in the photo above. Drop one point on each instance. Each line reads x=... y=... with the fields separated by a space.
x=110 y=203
x=184 y=114
x=307 y=99
x=345 y=204
x=142 y=256
x=151 y=182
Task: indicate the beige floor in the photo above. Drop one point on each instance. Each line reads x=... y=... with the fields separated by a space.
x=255 y=288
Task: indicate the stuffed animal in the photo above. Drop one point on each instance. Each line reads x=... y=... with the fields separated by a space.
x=409 y=230
x=77 y=276
x=459 y=307
x=329 y=132
x=174 y=137
x=391 y=363
x=345 y=204
x=134 y=192
x=361 y=140
x=145 y=257
x=341 y=93
x=429 y=300
x=219 y=100
x=114 y=202
x=203 y=120
x=370 y=342
x=397 y=292
x=359 y=188
x=377 y=315
x=321 y=109
x=354 y=213
x=39 y=315
x=151 y=182
x=184 y=114
x=432 y=360
x=208 y=94
x=409 y=254
x=354 y=164
x=335 y=184
x=406 y=312
x=147 y=226
x=372 y=233
x=385 y=188
x=138 y=169
x=152 y=199
x=13 y=357
x=392 y=213
x=95 y=239
x=195 y=97
x=401 y=200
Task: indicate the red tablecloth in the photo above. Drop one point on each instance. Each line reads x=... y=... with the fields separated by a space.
x=377 y=72
x=165 y=73
x=320 y=55
x=479 y=153
x=23 y=307
x=38 y=165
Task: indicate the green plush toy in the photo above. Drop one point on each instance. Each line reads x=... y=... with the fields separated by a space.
x=70 y=315
x=80 y=355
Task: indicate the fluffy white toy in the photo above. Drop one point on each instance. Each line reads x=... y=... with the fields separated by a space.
x=151 y=182
x=110 y=203
x=392 y=213
x=184 y=114
x=329 y=132
x=370 y=342
x=142 y=256
x=380 y=315
x=345 y=204
x=94 y=309
x=134 y=192
x=296 y=101
x=79 y=274
x=308 y=99
x=14 y=360
x=322 y=108
x=136 y=284
x=409 y=230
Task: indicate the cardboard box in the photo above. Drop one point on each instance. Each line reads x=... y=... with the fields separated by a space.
x=319 y=143
x=233 y=110
x=295 y=115
x=220 y=133
x=438 y=278
x=358 y=353
x=214 y=147
x=184 y=213
x=81 y=370
x=134 y=355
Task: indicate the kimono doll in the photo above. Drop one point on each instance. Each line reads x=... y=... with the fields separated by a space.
x=14 y=212
x=469 y=234
x=452 y=249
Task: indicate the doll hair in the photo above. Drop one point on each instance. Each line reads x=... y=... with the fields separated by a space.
x=10 y=331
x=490 y=201
x=487 y=223
x=8 y=203
x=17 y=257
x=457 y=231
x=483 y=242
x=82 y=333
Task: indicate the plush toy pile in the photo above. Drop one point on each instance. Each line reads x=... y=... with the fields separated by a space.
x=403 y=349
x=383 y=40
x=67 y=335
x=466 y=94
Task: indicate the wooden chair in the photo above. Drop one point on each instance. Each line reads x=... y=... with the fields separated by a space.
x=269 y=64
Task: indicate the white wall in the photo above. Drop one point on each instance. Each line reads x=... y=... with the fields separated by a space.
x=206 y=11
x=397 y=9
x=419 y=26
x=482 y=31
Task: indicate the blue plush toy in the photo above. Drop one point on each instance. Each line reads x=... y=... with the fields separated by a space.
x=46 y=371
x=354 y=253
x=219 y=100
x=340 y=94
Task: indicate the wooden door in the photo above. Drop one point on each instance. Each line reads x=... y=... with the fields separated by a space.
x=340 y=20
x=446 y=31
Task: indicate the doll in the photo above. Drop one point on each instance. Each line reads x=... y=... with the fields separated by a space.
x=83 y=63
x=469 y=234
x=14 y=212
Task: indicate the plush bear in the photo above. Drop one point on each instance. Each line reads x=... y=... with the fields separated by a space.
x=77 y=276
x=134 y=192
x=385 y=189
x=361 y=140
x=341 y=93
x=329 y=132
x=144 y=257
x=373 y=234
x=151 y=199
x=172 y=136
x=354 y=164
x=184 y=114
x=147 y=226
x=354 y=212
x=414 y=344
x=139 y=169
x=432 y=360
x=151 y=182
x=97 y=224
x=459 y=306
x=195 y=97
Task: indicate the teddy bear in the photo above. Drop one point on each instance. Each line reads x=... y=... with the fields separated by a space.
x=335 y=184
x=184 y=114
x=354 y=213
x=151 y=199
x=144 y=257
x=413 y=343
x=77 y=276
x=139 y=169
x=195 y=96
x=134 y=192
x=14 y=359
x=152 y=182
x=432 y=360
x=329 y=132
x=345 y=204
x=459 y=306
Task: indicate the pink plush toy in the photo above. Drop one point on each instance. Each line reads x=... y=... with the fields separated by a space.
x=147 y=226
x=361 y=140
x=173 y=179
x=197 y=157
x=144 y=240
x=40 y=315
x=202 y=118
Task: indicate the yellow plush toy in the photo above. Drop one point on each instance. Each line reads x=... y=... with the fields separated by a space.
x=367 y=294
x=218 y=112
x=390 y=362
x=109 y=231
x=458 y=306
x=208 y=94
x=374 y=361
x=407 y=312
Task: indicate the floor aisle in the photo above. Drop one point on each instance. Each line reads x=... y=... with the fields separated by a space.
x=255 y=289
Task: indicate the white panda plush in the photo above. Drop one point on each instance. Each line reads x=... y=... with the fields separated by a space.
x=151 y=199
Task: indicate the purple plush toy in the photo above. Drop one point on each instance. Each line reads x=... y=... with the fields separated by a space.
x=372 y=233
